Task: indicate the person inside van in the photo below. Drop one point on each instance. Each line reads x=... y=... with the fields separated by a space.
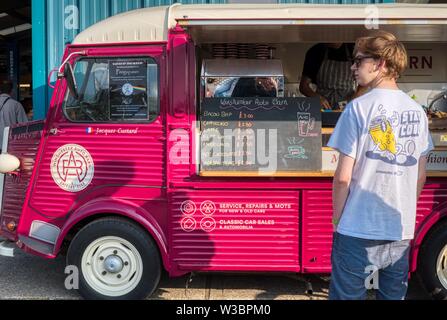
x=255 y=87
x=328 y=67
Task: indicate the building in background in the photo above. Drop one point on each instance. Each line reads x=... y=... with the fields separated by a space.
x=56 y=23
x=15 y=47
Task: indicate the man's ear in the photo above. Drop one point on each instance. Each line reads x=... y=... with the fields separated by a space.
x=381 y=64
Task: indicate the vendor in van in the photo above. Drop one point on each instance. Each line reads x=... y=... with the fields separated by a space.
x=328 y=66
x=255 y=87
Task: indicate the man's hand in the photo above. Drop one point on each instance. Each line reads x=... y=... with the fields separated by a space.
x=324 y=103
x=309 y=92
x=335 y=224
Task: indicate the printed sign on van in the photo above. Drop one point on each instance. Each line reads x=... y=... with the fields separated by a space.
x=208 y=215
x=128 y=89
x=72 y=167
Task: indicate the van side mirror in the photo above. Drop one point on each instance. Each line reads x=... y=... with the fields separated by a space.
x=71 y=81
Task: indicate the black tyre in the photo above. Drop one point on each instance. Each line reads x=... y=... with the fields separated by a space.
x=116 y=259
x=432 y=263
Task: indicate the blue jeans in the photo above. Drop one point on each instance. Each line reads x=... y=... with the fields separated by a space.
x=361 y=264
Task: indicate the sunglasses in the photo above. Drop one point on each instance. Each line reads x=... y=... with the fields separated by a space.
x=358 y=60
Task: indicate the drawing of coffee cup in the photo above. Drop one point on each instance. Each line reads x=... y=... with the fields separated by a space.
x=296 y=152
x=305 y=123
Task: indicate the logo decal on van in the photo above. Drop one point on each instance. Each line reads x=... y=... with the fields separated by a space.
x=207 y=208
x=72 y=167
x=188 y=207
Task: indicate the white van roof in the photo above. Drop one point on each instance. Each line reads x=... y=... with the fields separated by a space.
x=152 y=24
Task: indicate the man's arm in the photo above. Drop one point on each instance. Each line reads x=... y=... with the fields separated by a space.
x=312 y=63
x=341 y=183
x=305 y=87
x=422 y=175
x=308 y=92
x=20 y=113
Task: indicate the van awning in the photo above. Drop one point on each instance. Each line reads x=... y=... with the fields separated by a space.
x=312 y=33
x=310 y=23
x=260 y=23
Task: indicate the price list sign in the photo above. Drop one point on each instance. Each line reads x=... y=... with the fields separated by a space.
x=260 y=135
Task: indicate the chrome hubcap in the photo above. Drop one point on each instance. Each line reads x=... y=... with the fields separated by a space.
x=441 y=267
x=113 y=264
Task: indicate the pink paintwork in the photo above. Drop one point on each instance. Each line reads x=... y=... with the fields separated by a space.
x=198 y=223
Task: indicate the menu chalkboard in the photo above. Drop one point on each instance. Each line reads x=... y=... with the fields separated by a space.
x=265 y=135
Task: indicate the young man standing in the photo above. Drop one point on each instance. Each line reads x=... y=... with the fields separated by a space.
x=383 y=140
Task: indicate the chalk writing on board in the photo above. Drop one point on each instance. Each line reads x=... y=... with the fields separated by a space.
x=253 y=104
x=249 y=134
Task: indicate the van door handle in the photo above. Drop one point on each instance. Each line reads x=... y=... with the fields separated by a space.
x=55 y=131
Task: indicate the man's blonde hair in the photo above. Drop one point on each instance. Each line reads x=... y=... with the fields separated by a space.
x=385 y=46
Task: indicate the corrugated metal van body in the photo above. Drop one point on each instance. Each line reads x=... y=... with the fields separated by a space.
x=57 y=22
x=234 y=230
x=23 y=142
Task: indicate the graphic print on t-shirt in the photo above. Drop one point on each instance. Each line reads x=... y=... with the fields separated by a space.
x=393 y=137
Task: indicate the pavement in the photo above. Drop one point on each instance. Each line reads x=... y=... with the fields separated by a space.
x=27 y=277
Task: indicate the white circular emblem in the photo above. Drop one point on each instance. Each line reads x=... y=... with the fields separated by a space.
x=208 y=224
x=207 y=208
x=127 y=89
x=188 y=207
x=188 y=224
x=72 y=167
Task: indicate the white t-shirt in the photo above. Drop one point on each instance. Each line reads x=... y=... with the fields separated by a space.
x=386 y=132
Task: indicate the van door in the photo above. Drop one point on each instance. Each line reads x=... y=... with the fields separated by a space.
x=109 y=142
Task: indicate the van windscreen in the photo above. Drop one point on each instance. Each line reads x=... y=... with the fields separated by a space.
x=114 y=90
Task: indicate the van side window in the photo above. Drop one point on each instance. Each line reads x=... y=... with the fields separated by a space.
x=114 y=90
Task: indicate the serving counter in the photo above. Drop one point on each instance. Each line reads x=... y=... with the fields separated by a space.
x=301 y=141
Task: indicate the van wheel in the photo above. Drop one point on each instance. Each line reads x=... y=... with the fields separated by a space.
x=433 y=262
x=116 y=259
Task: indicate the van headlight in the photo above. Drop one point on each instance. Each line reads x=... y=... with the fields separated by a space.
x=8 y=163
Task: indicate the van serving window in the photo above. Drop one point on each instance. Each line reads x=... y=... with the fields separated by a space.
x=114 y=90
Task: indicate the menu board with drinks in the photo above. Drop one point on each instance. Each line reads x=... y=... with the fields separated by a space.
x=259 y=135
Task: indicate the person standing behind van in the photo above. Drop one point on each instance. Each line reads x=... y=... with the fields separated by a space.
x=327 y=65
x=11 y=111
x=383 y=140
